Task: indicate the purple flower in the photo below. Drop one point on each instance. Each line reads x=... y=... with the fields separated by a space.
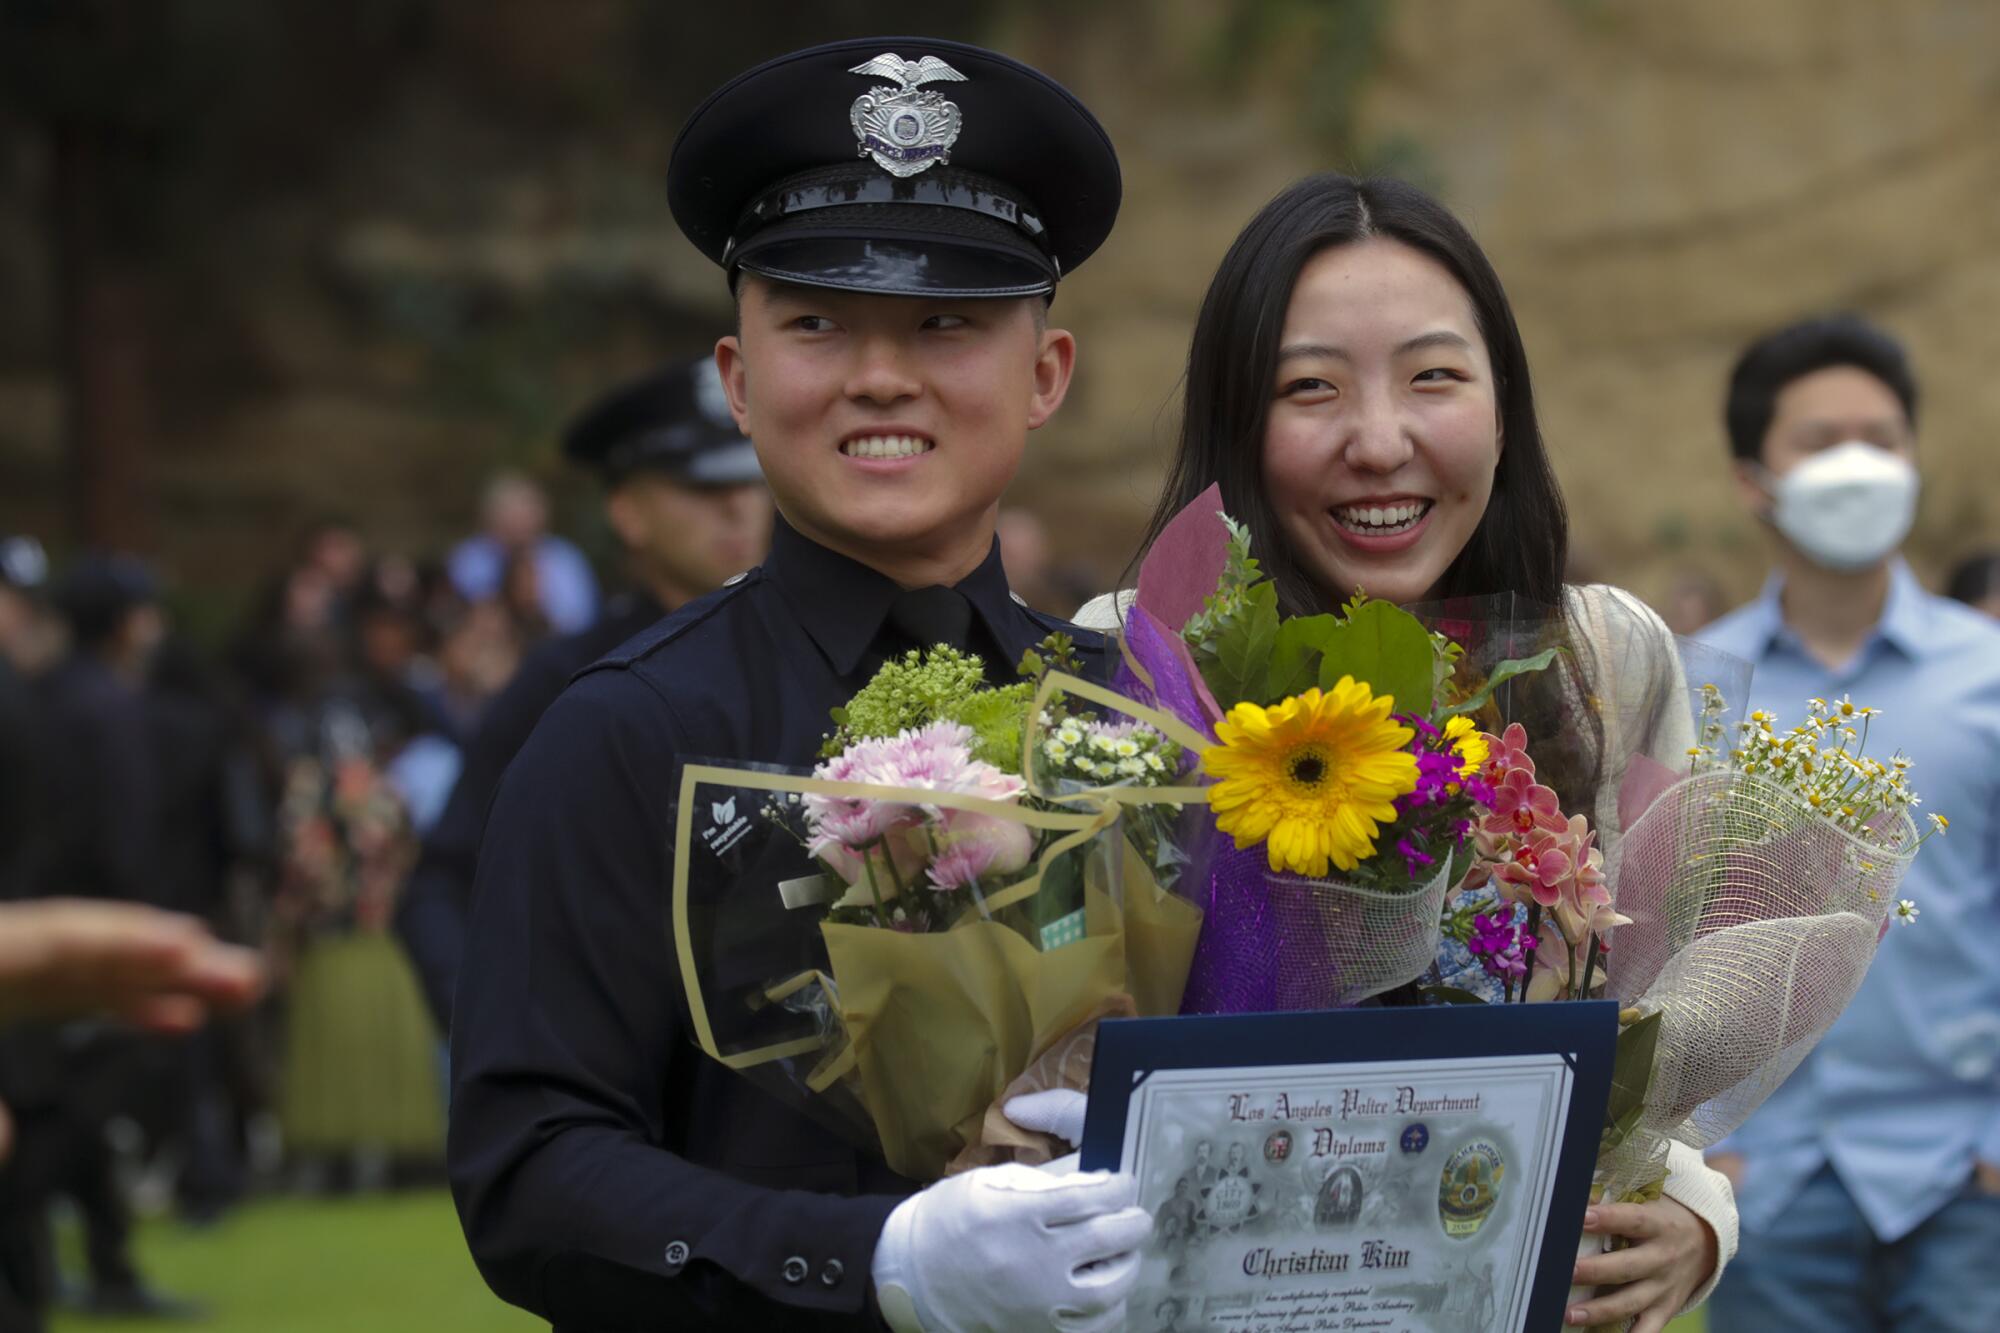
x=1501 y=947
x=1437 y=778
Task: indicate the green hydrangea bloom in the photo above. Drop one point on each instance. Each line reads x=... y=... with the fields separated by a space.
x=996 y=718
x=909 y=691
x=942 y=684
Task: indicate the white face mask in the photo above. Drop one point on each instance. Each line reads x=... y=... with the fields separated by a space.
x=1847 y=507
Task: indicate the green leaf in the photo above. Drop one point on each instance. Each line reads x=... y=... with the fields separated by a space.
x=1631 y=1075
x=1241 y=568
x=1295 y=656
x=1450 y=995
x=1506 y=671
x=1243 y=645
x=1390 y=649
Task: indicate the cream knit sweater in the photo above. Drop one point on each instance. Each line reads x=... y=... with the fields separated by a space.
x=1630 y=655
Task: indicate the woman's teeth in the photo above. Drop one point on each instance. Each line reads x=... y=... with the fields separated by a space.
x=887 y=446
x=1382 y=520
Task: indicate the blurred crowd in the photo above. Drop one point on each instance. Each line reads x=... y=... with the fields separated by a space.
x=257 y=811
x=276 y=793
x=311 y=793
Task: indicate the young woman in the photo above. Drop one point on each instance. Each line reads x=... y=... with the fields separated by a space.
x=1358 y=389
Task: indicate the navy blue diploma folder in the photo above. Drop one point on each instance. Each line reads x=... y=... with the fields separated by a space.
x=1317 y=1046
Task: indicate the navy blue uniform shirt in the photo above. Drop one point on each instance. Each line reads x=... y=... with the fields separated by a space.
x=609 y=1175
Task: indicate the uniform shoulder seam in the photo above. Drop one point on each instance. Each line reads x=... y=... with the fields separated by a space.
x=670 y=628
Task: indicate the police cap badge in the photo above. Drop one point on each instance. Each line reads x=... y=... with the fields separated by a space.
x=996 y=183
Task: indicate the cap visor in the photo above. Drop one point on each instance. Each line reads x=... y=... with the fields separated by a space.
x=728 y=465
x=906 y=266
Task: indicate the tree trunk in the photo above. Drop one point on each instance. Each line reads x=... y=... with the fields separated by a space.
x=102 y=321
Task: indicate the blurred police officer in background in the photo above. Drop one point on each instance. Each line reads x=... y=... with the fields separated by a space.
x=104 y=786
x=684 y=495
x=99 y=814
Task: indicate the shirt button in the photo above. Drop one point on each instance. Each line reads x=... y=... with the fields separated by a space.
x=677 y=1254
x=831 y=1275
x=795 y=1269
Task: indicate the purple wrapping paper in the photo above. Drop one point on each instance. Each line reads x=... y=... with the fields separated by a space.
x=1260 y=951
x=1266 y=943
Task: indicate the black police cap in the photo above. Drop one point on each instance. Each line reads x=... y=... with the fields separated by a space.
x=99 y=588
x=900 y=165
x=674 y=421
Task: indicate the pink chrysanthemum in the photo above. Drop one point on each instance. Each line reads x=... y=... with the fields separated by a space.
x=845 y=831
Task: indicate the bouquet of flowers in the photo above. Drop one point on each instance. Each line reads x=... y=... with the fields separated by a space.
x=1346 y=771
x=1751 y=893
x=1366 y=833
x=972 y=894
x=1757 y=883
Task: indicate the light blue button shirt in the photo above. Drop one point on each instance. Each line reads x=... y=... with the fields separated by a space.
x=568 y=588
x=1904 y=1092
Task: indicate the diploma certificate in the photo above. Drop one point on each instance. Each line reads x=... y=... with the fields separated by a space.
x=1430 y=1179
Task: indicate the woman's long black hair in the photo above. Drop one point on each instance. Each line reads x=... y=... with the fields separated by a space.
x=1522 y=542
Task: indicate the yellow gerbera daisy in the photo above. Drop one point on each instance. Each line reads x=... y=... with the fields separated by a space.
x=1473 y=751
x=1313 y=778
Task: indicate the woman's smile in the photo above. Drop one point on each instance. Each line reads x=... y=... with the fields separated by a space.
x=1381 y=526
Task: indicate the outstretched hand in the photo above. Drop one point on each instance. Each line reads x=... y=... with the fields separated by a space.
x=1672 y=1253
x=63 y=957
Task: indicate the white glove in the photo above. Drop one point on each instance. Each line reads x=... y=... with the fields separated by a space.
x=1007 y=1247
x=1059 y=1111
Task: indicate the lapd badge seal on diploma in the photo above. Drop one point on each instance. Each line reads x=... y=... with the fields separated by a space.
x=1431 y=1180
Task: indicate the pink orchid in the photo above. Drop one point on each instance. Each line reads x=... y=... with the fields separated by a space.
x=1585 y=905
x=1507 y=753
x=1521 y=807
x=1488 y=853
x=1539 y=867
x=1550 y=979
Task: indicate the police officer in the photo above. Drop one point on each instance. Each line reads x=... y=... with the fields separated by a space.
x=685 y=496
x=894 y=215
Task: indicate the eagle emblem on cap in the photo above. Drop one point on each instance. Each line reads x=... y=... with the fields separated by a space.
x=910 y=128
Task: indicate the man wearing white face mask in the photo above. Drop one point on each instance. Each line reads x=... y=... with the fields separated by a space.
x=1869 y=1184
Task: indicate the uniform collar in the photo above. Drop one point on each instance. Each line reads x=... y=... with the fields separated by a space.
x=842 y=603
x=1904 y=615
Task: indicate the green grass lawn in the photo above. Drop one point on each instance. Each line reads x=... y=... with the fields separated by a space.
x=393 y=1262
x=390 y=1262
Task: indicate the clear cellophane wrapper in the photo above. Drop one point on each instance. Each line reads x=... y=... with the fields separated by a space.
x=902 y=1040
x=1753 y=921
x=1752 y=918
